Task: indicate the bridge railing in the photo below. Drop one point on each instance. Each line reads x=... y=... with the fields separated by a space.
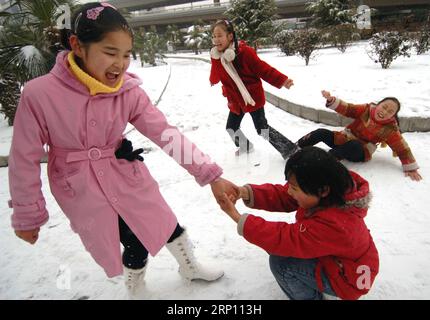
x=181 y=9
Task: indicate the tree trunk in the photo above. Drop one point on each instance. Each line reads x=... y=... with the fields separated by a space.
x=9 y=97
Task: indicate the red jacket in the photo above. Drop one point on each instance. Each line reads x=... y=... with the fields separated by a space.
x=371 y=132
x=250 y=69
x=337 y=236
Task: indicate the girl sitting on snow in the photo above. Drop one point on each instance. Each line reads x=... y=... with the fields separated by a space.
x=80 y=110
x=240 y=71
x=374 y=124
x=329 y=248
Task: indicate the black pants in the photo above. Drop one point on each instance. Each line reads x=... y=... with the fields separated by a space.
x=258 y=117
x=282 y=144
x=352 y=150
x=135 y=254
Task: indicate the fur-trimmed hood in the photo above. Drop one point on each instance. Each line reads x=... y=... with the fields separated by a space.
x=358 y=200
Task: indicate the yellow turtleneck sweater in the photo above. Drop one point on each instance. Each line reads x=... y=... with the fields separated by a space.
x=93 y=85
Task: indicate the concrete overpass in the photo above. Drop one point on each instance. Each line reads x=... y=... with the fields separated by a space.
x=132 y=5
x=156 y=15
x=188 y=15
x=178 y=16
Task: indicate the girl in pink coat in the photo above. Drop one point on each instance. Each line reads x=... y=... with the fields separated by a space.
x=80 y=110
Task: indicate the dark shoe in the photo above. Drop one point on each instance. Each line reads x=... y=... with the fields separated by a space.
x=290 y=152
x=284 y=145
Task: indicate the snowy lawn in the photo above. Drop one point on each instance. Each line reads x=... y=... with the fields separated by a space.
x=354 y=77
x=399 y=218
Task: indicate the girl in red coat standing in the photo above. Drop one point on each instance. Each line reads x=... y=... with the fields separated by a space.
x=373 y=124
x=240 y=71
x=329 y=248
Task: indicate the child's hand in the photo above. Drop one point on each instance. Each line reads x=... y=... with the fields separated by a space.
x=288 y=83
x=29 y=236
x=414 y=175
x=221 y=186
x=327 y=95
x=244 y=193
x=227 y=205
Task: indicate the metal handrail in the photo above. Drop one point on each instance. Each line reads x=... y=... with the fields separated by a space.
x=191 y=8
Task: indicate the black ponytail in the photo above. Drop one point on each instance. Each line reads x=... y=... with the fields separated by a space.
x=64 y=38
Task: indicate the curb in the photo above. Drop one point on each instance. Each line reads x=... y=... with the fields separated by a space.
x=407 y=124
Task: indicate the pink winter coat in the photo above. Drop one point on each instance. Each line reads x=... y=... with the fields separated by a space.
x=91 y=186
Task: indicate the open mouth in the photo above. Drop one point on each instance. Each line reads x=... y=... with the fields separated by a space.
x=112 y=76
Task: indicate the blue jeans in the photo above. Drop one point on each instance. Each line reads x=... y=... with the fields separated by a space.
x=296 y=277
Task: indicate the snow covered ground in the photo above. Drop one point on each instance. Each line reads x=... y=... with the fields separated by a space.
x=354 y=77
x=399 y=218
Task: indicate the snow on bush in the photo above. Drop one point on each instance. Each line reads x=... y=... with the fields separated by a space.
x=387 y=46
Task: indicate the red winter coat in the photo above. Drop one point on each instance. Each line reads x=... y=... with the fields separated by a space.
x=336 y=236
x=371 y=132
x=251 y=70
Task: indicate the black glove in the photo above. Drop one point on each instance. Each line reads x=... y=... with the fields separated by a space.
x=125 y=151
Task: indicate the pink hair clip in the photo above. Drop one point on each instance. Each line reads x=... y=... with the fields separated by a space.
x=94 y=12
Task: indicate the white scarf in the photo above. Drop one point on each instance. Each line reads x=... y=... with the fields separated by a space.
x=227 y=58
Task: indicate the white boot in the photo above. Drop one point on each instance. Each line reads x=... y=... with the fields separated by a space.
x=241 y=151
x=241 y=141
x=182 y=249
x=134 y=281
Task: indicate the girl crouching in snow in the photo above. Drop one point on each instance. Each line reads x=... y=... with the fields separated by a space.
x=329 y=248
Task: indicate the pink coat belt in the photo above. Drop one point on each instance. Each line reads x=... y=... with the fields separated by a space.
x=92 y=154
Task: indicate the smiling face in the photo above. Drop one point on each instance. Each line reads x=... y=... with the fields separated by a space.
x=106 y=60
x=386 y=110
x=306 y=201
x=221 y=39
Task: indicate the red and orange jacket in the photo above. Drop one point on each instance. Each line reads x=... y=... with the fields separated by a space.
x=371 y=132
x=337 y=236
x=251 y=70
